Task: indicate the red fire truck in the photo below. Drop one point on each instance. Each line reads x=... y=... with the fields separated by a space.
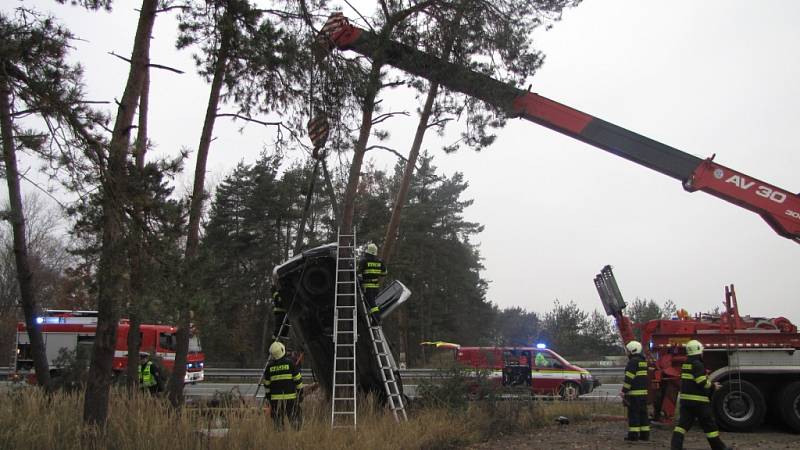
x=75 y=331
x=543 y=370
x=754 y=359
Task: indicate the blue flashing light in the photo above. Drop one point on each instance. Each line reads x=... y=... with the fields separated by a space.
x=40 y=320
x=541 y=345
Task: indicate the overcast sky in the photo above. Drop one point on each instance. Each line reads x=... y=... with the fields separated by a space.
x=704 y=77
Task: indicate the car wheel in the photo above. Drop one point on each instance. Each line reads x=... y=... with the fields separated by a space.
x=789 y=405
x=317 y=280
x=569 y=391
x=739 y=405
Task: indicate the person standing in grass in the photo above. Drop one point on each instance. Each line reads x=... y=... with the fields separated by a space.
x=634 y=392
x=284 y=385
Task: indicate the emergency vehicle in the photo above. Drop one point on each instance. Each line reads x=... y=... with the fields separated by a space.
x=75 y=331
x=543 y=370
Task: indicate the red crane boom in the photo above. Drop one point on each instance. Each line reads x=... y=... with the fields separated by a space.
x=778 y=207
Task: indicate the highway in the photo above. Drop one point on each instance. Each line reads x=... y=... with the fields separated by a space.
x=207 y=390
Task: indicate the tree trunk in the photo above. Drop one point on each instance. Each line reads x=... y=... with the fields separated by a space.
x=195 y=214
x=136 y=244
x=402 y=194
x=111 y=274
x=368 y=105
x=16 y=217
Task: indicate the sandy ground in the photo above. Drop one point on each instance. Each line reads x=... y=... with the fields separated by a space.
x=609 y=435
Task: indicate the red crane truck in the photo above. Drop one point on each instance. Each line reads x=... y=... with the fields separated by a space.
x=75 y=331
x=778 y=207
x=755 y=359
x=751 y=377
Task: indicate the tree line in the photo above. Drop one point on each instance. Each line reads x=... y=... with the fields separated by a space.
x=142 y=250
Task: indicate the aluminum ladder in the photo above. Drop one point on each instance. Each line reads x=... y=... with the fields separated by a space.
x=345 y=334
x=387 y=367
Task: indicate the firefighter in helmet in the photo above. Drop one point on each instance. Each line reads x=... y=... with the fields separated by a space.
x=694 y=399
x=634 y=393
x=149 y=374
x=370 y=269
x=283 y=384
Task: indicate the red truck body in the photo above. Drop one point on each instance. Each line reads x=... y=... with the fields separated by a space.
x=75 y=331
x=755 y=360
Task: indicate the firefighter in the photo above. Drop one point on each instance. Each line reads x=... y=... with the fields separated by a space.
x=279 y=309
x=370 y=269
x=634 y=393
x=149 y=374
x=283 y=384
x=694 y=400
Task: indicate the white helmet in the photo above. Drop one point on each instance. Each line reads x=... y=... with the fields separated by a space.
x=277 y=350
x=694 y=347
x=633 y=347
x=372 y=249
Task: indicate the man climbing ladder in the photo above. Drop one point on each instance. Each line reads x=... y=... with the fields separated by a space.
x=371 y=269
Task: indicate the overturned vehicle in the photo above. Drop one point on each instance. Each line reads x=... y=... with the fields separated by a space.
x=307 y=282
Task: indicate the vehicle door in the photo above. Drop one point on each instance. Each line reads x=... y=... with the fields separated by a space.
x=547 y=373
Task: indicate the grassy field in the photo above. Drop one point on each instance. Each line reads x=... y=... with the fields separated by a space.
x=30 y=420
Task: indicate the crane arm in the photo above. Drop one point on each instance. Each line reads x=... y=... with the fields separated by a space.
x=780 y=208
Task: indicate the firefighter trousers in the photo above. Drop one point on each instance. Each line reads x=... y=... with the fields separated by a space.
x=638 y=420
x=285 y=408
x=370 y=294
x=688 y=412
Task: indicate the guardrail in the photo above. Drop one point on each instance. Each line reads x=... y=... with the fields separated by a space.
x=218 y=372
x=213 y=372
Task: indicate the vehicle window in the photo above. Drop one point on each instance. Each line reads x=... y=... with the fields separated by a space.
x=543 y=359
x=194 y=344
x=167 y=341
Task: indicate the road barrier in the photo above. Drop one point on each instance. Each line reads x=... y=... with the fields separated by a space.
x=409 y=374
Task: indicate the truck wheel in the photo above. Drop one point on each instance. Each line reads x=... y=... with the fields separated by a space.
x=739 y=406
x=569 y=391
x=789 y=405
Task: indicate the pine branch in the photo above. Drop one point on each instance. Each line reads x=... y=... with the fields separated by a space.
x=385 y=116
x=156 y=66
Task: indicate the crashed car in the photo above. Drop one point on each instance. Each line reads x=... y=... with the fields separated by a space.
x=306 y=282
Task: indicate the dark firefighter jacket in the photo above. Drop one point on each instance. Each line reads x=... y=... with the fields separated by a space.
x=278 y=304
x=282 y=379
x=635 y=383
x=371 y=269
x=695 y=385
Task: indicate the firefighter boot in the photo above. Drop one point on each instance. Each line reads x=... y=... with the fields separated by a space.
x=677 y=441
x=632 y=436
x=717 y=444
x=644 y=435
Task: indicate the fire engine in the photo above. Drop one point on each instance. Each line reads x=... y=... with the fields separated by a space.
x=755 y=359
x=539 y=369
x=75 y=331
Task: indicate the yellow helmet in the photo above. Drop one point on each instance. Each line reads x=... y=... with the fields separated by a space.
x=277 y=350
x=694 y=347
x=633 y=347
x=372 y=249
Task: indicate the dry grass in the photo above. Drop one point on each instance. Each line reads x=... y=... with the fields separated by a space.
x=28 y=420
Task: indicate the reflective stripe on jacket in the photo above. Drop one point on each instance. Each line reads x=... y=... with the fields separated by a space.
x=636 y=382
x=282 y=379
x=695 y=385
x=371 y=268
